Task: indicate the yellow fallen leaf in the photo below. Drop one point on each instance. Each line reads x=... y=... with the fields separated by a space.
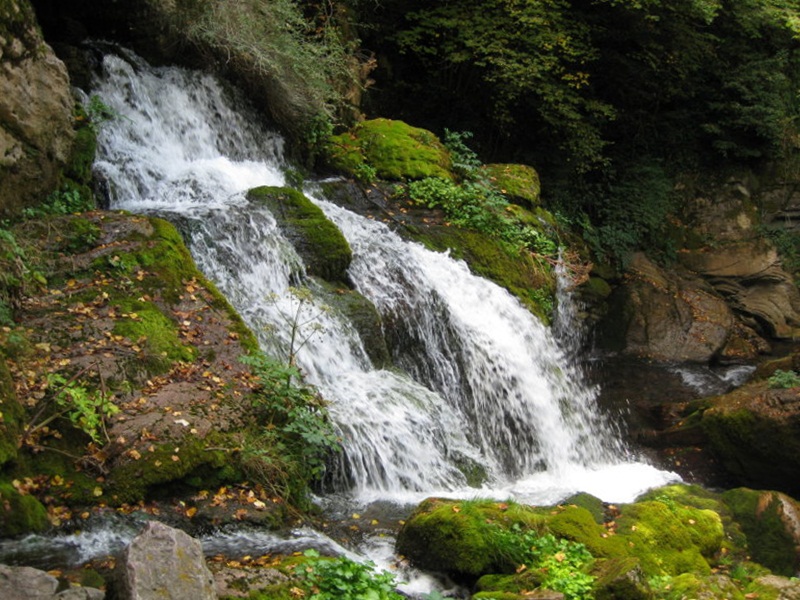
x=97 y=492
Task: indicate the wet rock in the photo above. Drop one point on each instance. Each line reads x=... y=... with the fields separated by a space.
x=36 y=134
x=163 y=562
x=667 y=317
x=787 y=589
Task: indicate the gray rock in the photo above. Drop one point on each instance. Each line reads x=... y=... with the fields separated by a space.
x=163 y=563
x=26 y=583
x=80 y=593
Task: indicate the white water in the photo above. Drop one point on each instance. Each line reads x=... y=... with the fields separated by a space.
x=478 y=380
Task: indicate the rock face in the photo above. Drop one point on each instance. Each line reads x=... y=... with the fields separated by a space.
x=36 y=133
x=726 y=295
x=163 y=562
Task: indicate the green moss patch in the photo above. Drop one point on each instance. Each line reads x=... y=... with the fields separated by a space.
x=464 y=538
x=767 y=520
x=670 y=538
x=20 y=513
x=391 y=150
x=519 y=183
x=531 y=281
x=317 y=240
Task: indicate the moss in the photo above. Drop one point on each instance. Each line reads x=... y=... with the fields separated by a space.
x=714 y=587
x=758 y=450
x=317 y=240
x=394 y=150
x=365 y=318
x=670 y=538
x=577 y=524
x=760 y=515
x=79 y=168
x=11 y=415
x=169 y=463
x=20 y=513
x=147 y=325
x=596 y=288
x=620 y=579
x=78 y=235
x=591 y=503
x=464 y=539
x=519 y=183
x=532 y=282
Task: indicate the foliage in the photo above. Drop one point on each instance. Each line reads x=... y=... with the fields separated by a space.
x=337 y=578
x=562 y=562
x=87 y=409
x=630 y=213
x=296 y=435
x=784 y=379
x=65 y=201
x=17 y=274
x=306 y=65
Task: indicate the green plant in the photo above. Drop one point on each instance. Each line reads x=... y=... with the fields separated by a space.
x=562 y=563
x=87 y=409
x=784 y=379
x=98 y=112
x=342 y=579
x=16 y=275
x=296 y=435
x=65 y=201
x=465 y=160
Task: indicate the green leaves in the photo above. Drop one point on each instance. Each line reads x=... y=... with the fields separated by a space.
x=337 y=578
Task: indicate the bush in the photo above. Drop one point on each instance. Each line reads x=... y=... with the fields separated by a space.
x=336 y=578
x=784 y=380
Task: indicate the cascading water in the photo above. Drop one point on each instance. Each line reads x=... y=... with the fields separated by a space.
x=479 y=382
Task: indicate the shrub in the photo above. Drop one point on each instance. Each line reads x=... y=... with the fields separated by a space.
x=336 y=578
x=784 y=379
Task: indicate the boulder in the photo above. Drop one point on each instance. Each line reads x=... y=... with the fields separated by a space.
x=163 y=562
x=36 y=122
x=754 y=432
x=668 y=317
x=27 y=583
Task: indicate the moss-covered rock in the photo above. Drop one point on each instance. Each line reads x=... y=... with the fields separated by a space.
x=519 y=183
x=620 y=579
x=11 y=415
x=391 y=150
x=464 y=539
x=771 y=523
x=531 y=281
x=709 y=587
x=754 y=432
x=510 y=587
x=317 y=240
x=20 y=513
x=671 y=538
x=365 y=318
x=578 y=524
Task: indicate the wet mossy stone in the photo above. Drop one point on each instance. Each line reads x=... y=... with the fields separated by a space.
x=769 y=521
x=364 y=317
x=465 y=539
x=620 y=579
x=317 y=240
x=670 y=538
x=508 y=587
x=579 y=525
x=532 y=282
x=392 y=150
x=170 y=463
x=11 y=415
x=519 y=183
x=709 y=587
x=20 y=513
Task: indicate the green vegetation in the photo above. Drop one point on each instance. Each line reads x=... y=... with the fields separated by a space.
x=294 y=437
x=391 y=150
x=784 y=379
x=303 y=62
x=319 y=242
x=336 y=578
x=17 y=275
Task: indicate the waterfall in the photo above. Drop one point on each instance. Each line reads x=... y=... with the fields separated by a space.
x=478 y=382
